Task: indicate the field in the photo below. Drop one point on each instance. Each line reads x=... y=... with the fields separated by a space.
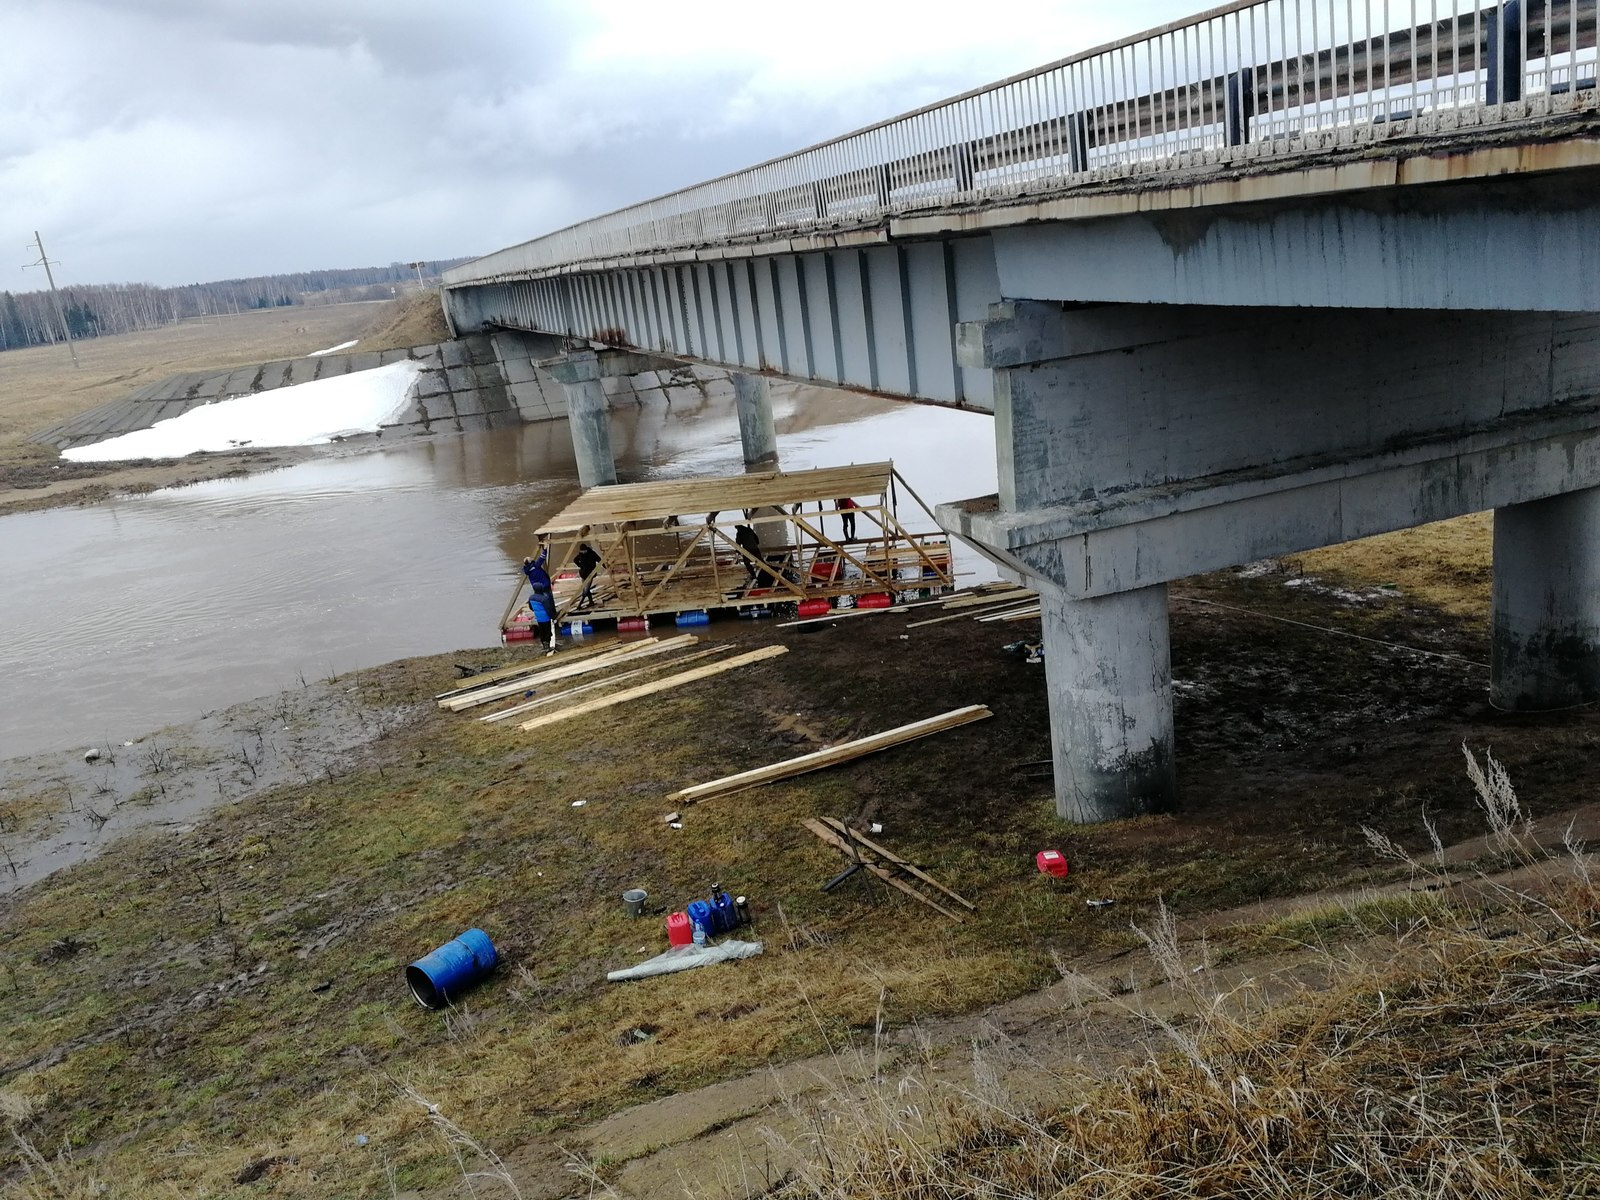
x=39 y=387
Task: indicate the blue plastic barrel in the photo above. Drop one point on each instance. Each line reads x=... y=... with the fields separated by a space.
x=692 y=618
x=437 y=978
x=576 y=628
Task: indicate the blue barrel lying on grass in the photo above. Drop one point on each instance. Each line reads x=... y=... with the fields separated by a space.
x=437 y=978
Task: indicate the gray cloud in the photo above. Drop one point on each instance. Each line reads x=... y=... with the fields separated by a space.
x=180 y=140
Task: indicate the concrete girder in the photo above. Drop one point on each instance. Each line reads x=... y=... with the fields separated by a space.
x=1529 y=243
x=876 y=318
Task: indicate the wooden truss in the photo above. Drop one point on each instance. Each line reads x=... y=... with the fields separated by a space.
x=673 y=546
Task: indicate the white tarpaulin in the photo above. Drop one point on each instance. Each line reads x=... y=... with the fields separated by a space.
x=687 y=958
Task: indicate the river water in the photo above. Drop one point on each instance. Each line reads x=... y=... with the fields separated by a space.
x=137 y=613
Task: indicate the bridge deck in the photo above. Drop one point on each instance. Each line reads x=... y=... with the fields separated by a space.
x=685 y=545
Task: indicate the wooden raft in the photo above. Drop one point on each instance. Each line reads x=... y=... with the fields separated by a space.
x=672 y=546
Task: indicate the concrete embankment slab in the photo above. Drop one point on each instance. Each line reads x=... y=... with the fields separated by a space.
x=463 y=385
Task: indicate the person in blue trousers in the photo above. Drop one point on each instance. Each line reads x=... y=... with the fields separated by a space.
x=541 y=598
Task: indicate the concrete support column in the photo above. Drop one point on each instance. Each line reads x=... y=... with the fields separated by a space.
x=1108 y=675
x=587 y=416
x=752 y=398
x=1545 y=637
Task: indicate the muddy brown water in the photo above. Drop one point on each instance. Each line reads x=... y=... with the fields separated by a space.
x=142 y=612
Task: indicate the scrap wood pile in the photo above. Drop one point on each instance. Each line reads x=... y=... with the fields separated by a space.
x=523 y=682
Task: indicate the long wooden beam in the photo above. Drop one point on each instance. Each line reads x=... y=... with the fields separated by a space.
x=621 y=654
x=649 y=689
x=484 y=678
x=610 y=681
x=833 y=755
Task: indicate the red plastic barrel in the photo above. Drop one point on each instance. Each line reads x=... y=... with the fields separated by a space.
x=523 y=634
x=633 y=624
x=875 y=600
x=814 y=608
x=679 y=932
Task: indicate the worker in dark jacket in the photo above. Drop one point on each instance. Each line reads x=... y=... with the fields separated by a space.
x=586 y=560
x=541 y=596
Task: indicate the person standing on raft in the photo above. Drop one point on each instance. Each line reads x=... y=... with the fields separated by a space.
x=542 y=597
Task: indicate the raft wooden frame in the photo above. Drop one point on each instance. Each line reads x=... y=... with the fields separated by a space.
x=669 y=546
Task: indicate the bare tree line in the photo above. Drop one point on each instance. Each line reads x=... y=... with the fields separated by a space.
x=100 y=309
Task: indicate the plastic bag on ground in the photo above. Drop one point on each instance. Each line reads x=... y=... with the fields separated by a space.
x=686 y=958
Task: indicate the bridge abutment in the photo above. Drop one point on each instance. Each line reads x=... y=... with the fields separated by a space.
x=1545 y=631
x=752 y=397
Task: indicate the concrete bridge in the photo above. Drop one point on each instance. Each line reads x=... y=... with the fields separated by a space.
x=1275 y=277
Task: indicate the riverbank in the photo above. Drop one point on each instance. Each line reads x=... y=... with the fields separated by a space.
x=43 y=388
x=224 y=1002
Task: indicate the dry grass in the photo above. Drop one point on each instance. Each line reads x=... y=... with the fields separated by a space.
x=1444 y=565
x=1463 y=1064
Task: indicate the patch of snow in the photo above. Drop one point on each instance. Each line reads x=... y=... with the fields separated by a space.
x=1387 y=591
x=307 y=414
x=333 y=349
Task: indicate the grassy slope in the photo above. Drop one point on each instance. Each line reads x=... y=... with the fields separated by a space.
x=189 y=1014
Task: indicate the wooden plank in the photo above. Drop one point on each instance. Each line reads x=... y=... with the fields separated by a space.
x=838 y=843
x=519 y=709
x=891 y=857
x=659 y=685
x=1013 y=614
x=992 y=598
x=975 y=615
x=844 y=752
x=622 y=654
x=547 y=673
x=485 y=678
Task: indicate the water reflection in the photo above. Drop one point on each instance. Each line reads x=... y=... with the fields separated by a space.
x=141 y=612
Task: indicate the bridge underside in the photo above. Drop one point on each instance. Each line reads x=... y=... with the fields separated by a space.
x=1178 y=389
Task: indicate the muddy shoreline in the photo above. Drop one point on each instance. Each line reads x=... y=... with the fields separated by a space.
x=65 y=807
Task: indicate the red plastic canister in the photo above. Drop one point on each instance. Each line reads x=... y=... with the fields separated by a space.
x=875 y=600
x=814 y=608
x=1052 y=862
x=679 y=932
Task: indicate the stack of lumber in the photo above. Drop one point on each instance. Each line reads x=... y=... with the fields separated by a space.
x=580 y=662
x=585 y=707
x=885 y=864
x=609 y=681
x=843 y=752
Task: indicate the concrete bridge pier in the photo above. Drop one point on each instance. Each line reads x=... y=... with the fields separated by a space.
x=1108 y=676
x=752 y=397
x=1545 y=637
x=588 y=417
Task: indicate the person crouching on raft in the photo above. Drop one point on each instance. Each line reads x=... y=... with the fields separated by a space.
x=542 y=598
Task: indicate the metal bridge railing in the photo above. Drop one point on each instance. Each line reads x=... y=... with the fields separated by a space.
x=1252 y=78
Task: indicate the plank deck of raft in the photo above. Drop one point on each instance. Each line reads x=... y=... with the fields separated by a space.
x=670 y=546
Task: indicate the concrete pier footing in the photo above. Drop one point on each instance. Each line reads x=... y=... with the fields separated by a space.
x=1545 y=633
x=588 y=417
x=753 y=399
x=1109 y=679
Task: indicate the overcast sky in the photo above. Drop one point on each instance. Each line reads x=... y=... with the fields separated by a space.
x=178 y=141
